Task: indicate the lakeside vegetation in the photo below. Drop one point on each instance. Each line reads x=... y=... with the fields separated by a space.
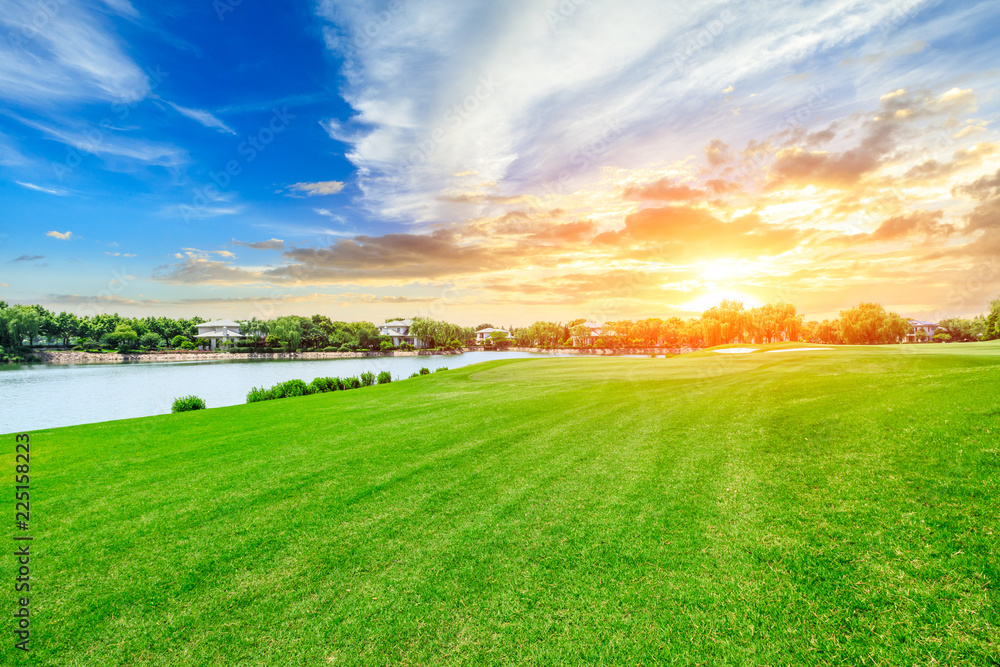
x=824 y=507
x=21 y=326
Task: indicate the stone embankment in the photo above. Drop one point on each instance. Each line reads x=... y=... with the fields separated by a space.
x=73 y=357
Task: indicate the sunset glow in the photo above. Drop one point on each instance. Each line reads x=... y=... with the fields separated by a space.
x=513 y=161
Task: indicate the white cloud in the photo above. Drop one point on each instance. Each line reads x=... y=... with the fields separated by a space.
x=123 y=7
x=108 y=146
x=526 y=93
x=203 y=117
x=62 y=236
x=318 y=188
x=9 y=154
x=38 y=188
x=60 y=51
x=190 y=212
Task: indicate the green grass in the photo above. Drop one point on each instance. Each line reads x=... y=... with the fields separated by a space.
x=807 y=508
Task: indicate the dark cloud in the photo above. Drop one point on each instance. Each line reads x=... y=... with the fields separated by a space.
x=583 y=287
x=664 y=189
x=720 y=186
x=960 y=159
x=569 y=232
x=674 y=232
x=28 y=258
x=396 y=256
x=906 y=225
x=896 y=117
x=718 y=153
x=270 y=244
x=194 y=270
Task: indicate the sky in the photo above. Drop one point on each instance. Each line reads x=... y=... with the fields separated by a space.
x=500 y=162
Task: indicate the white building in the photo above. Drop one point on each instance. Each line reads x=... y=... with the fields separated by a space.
x=916 y=326
x=487 y=334
x=219 y=330
x=399 y=332
x=594 y=332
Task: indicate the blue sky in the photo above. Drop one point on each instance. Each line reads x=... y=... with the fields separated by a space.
x=498 y=161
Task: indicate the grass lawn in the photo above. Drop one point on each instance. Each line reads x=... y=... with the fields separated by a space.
x=800 y=508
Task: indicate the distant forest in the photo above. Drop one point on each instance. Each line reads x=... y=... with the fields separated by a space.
x=28 y=326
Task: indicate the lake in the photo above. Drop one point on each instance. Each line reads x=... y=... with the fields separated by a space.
x=38 y=396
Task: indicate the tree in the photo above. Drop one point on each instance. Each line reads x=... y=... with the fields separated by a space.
x=992 y=327
x=123 y=337
x=870 y=324
x=288 y=330
x=254 y=330
x=499 y=339
x=68 y=326
x=150 y=340
x=18 y=323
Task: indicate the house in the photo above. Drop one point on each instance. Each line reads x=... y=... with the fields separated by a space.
x=594 y=332
x=486 y=334
x=219 y=330
x=916 y=326
x=399 y=332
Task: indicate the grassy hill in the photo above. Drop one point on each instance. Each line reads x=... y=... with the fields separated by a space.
x=825 y=507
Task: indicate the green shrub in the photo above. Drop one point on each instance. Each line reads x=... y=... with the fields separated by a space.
x=344 y=348
x=187 y=403
x=367 y=379
x=352 y=383
x=318 y=386
x=385 y=377
x=425 y=371
x=438 y=370
x=290 y=388
x=258 y=394
x=331 y=348
x=414 y=374
x=188 y=345
x=406 y=346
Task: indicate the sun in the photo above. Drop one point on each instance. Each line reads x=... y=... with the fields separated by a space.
x=706 y=300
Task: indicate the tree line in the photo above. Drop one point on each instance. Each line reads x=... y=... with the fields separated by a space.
x=25 y=326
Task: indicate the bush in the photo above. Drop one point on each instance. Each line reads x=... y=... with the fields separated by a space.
x=344 y=348
x=188 y=345
x=177 y=341
x=385 y=377
x=385 y=346
x=318 y=386
x=414 y=374
x=290 y=388
x=438 y=370
x=367 y=379
x=425 y=371
x=406 y=346
x=187 y=403
x=331 y=348
x=256 y=395
x=150 y=340
x=351 y=383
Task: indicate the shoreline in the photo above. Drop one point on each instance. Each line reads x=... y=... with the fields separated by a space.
x=72 y=358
